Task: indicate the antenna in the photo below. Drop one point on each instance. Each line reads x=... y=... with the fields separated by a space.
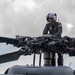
x=70 y=64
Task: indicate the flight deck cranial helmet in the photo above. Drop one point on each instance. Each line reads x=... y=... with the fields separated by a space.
x=51 y=15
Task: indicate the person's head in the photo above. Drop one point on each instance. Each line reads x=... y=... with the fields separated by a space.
x=51 y=17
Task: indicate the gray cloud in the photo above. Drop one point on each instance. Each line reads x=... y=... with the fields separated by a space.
x=18 y=19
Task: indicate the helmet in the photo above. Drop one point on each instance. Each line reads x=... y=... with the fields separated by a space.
x=52 y=15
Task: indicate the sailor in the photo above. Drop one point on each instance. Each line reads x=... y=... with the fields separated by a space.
x=53 y=28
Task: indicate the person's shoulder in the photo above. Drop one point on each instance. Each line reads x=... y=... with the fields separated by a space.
x=48 y=24
x=59 y=24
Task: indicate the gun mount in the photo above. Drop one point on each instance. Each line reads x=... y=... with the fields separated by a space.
x=37 y=45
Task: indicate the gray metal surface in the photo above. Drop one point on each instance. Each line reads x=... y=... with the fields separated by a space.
x=29 y=70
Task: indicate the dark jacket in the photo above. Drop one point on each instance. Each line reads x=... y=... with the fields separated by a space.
x=55 y=29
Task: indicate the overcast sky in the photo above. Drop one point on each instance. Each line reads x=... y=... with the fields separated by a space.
x=28 y=17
